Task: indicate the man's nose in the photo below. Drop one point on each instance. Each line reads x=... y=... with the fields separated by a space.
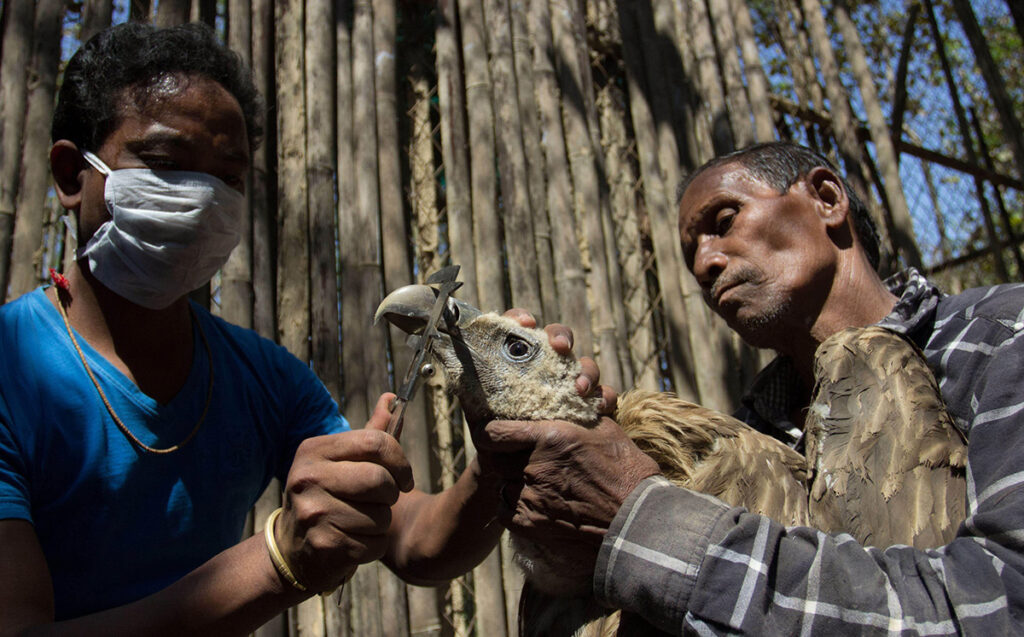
x=708 y=261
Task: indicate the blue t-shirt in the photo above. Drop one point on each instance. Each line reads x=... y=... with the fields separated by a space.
x=117 y=523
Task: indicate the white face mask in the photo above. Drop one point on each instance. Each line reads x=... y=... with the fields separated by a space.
x=169 y=232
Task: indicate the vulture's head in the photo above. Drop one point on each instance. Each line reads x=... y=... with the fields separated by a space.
x=497 y=368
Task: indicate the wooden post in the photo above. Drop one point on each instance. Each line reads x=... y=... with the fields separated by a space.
x=965 y=135
x=573 y=306
x=757 y=82
x=529 y=116
x=588 y=204
x=709 y=80
x=264 y=186
x=35 y=166
x=517 y=214
x=729 y=67
x=96 y=16
x=17 y=47
x=843 y=124
x=888 y=164
x=659 y=207
x=172 y=12
x=486 y=224
x=236 y=275
x=1012 y=130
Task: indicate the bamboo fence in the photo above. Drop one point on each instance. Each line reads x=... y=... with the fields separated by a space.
x=536 y=143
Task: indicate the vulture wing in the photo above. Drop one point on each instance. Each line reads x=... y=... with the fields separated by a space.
x=710 y=452
x=887 y=461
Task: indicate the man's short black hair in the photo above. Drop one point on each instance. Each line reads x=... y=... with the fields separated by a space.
x=782 y=164
x=136 y=57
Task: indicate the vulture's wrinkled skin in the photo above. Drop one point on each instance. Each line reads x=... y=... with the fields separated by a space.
x=858 y=432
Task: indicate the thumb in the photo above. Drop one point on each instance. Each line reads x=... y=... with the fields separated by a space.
x=508 y=435
x=381 y=412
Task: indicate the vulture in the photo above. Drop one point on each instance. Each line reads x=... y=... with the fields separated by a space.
x=500 y=370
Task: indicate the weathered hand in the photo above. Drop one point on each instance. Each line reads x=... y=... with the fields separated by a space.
x=338 y=499
x=561 y=340
x=563 y=483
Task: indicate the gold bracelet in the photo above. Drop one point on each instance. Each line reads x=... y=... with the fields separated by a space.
x=275 y=553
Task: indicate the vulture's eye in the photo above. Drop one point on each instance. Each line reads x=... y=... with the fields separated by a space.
x=517 y=348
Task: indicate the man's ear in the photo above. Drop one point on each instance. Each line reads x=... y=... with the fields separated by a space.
x=826 y=187
x=69 y=169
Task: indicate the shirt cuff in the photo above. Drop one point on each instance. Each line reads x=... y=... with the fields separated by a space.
x=649 y=559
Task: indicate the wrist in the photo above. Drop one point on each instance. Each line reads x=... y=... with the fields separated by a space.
x=277 y=558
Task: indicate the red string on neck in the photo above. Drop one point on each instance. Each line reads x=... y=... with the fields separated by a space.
x=60 y=280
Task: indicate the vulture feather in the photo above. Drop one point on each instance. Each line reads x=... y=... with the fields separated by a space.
x=884 y=461
x=888 y=463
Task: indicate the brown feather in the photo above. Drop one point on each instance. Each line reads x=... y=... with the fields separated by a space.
x=710 y=452
x=888 y=463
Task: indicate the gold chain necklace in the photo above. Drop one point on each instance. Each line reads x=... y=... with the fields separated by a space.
x=61 y=284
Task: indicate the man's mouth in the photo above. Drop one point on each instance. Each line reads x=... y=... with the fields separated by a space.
x=722 y=286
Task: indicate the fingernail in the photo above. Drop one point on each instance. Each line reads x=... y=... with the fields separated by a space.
x=583 y=385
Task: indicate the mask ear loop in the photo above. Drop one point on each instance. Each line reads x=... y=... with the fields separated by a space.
x=96 y=163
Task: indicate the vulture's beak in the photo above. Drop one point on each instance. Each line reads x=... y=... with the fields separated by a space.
x=408 y=308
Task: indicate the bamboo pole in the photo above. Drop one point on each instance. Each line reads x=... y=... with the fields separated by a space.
x=293 y=246
x=1012 y=130
x=236 y=289
x=729 y=65
x=96 y=16
x=968 y=142
x=139 y=10
x=362 y=284
x=321 y=160
x=698 y=121
x=397 y=265
x=204 y=11
x=516 y=212
x=899 y=101
x=642 y=346
x=709 y=357
x=899 y=212
x=263 y=212
x=709 y=80
x=659 y=63
x=172 y=12
x=486 y=224
x=454 y=150
x=17 y=46
x=658 y=22
x=453 y=97
x=340 y=614
x=666 y=245
x=1004 y=214
x=576 y=109
x=30 y=204
x=424 y=619
x=605 y=272
x=573 y=306
x=534 y=155
x=843 y=123
x=264 y=188
x=757 y=81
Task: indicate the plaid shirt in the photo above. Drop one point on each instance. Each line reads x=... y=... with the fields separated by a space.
x=688 y=563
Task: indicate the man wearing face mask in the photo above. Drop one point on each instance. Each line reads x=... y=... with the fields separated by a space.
x=136 y=429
